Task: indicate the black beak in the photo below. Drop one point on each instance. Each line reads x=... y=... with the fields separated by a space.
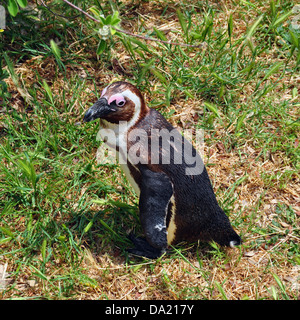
x=98 y=110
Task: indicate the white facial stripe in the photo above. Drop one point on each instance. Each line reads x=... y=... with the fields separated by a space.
x=103 y=92
x=137 y=102
x=119 y=129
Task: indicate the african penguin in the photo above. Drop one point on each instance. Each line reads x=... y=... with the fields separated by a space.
x=175 y=205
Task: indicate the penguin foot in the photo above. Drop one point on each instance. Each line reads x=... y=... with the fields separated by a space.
x=143 y=248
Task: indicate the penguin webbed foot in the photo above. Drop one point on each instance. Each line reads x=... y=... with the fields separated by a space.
x=143 y=249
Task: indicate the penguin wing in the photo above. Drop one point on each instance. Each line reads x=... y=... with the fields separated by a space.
x=156 y=192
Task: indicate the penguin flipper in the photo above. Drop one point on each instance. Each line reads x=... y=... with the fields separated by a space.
x=156 y=191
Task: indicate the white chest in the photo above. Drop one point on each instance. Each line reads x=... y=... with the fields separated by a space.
x=115 y=137
x=130 y=178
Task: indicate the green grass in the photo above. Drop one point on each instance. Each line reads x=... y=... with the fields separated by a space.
x=57 y=203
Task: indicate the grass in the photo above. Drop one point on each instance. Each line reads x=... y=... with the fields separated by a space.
x=64 y=219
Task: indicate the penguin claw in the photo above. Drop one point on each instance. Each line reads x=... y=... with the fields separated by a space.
x=143 y=248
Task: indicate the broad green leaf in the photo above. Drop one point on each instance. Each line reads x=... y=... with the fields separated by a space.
x=294 y=93
x=188 y=94
x=22 y=3
x=102 y=20
x=12 y=7
x=274 y=293
x=115 y=18
x=101 y=47
x=115 y=22
x=108 y=20
x=249 y=4
x=97 y=14
x=221 y=91
x=112 y=31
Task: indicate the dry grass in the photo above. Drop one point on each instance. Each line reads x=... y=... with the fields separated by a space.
x=264 y=206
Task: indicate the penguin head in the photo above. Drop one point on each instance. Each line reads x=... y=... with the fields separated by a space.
x=120 y=101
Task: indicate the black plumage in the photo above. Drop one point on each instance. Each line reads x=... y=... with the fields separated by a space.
x=174 y=206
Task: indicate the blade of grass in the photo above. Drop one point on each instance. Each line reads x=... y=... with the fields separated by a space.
x=281 y=286
x=212 y=108
x=218 y=285
x=254 y=27
x=269 y=73
x=182 y=21
x=106 y=226
x=282 y=18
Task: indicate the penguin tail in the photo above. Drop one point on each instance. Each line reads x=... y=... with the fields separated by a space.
x=229 y=238
x=223 y=233
x=236 y=241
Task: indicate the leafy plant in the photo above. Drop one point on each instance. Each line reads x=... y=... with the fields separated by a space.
x=107 y=27
x=14 y=6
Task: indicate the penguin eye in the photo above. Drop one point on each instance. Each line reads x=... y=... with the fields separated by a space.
x=120 y=103
x=117 y=100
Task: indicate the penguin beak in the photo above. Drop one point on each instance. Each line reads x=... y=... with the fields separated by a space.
x=98 y=110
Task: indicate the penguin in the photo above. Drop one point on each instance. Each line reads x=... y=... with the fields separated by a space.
x=176 y=202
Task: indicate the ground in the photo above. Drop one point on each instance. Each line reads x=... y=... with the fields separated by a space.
x=65 y=218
